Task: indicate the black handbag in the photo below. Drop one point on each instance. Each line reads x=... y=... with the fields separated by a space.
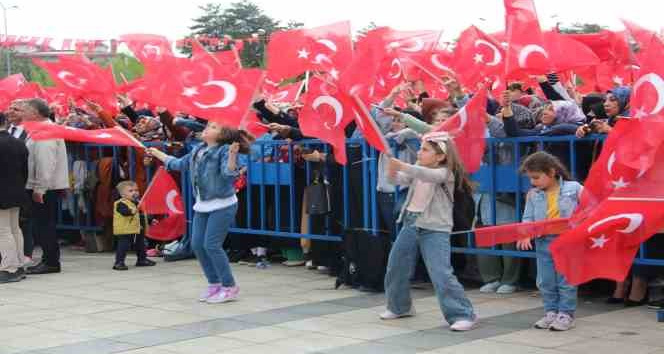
x=318 y=201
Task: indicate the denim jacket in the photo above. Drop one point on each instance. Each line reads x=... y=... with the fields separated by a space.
x=211 y=175
x=536 y=201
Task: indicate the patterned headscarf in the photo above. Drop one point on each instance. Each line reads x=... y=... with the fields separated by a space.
x=439 y=138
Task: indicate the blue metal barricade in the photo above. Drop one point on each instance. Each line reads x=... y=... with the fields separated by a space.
x=271 y=202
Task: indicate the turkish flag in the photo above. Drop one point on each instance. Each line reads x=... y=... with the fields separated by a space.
x=607 y=45
x=526 y=52
x=494 y=235
x=642 y=36
x=81 y=78
x=14 y=87
x=206 y=88
x=477 y=56
x=468 y=129
x=364 y=75
x=163 y=197
x=149 y=49
x=58 y=101
x=429 y=65
x=327 y=48
x=167 y=229
x=112 y=136
x=286 y=93
x=648 y=89
x=78 y=75
x=559 y=48
x=325 y=115
x=368 y=126
x=604 y=244
x=406 y=43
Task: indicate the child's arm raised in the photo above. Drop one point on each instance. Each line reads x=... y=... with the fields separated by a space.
x=231 y=162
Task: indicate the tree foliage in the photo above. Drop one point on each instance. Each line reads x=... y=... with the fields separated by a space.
x=580 y=28
x=240 y=20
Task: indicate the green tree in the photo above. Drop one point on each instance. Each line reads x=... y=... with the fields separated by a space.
x=363 y=32
x=240 y=20
x=578 y=27
x=23 y=65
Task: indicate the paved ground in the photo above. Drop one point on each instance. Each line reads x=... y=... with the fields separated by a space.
x=90 y=309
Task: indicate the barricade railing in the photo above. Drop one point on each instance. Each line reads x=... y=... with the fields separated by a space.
x=271 y=203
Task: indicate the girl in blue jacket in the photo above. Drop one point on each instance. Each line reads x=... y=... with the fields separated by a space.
x=555 y=195
x=213 y=167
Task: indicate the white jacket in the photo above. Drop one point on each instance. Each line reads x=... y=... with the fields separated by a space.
x=47 y=165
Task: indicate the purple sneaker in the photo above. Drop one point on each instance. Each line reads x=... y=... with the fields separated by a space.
x=212 y=290
x=225 y=295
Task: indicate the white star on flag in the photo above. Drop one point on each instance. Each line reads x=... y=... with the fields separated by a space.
x=189 y=91
x=598 y=242
x=302 y=53
x=640 y=113
x=334 y=73
x=618 y=80
x=478 y=58
x=620 y=183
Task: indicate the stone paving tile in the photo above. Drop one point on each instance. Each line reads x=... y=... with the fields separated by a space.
x=155 y=337
x=539 y=338
x=263 y=334
x=489 y=347
x=314 y=342
x=99 y=346
x=609 y=346
x=371 y=348
x=212 y=327
x=204 y=345
x=89 y=301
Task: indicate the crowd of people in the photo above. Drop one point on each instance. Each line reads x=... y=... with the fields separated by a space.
x=413 y=191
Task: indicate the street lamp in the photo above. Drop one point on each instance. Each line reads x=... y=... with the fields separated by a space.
x=4 y=15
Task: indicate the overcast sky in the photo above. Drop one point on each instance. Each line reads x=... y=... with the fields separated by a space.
x=105 y=19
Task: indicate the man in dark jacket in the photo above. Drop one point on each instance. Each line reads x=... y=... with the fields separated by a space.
x=13 y=177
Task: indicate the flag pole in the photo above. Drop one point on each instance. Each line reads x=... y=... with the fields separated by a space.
x=130 y=136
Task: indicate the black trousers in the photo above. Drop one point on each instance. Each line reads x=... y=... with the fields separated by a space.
x=42 y=227
x=26 y=227
x=124 y=244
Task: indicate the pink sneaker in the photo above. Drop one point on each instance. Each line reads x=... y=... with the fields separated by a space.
x=225 y=295
x=211 y=291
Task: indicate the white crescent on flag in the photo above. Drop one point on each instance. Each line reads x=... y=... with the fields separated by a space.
x=328 y=43
x=230 y=93
x=529 y=49
x=497 y=57
x=170 y=202
x=635 y=221
x=657 y=83
x=335 y=104
x=64 y=76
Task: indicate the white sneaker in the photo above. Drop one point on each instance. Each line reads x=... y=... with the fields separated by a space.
x=389 y=315
x=563 y=322
x=464 y=325
x=506 y=289
x=546 y=321
x=490 y=287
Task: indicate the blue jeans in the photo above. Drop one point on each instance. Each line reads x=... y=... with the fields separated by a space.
x=208 y=234
x=557 y=294
x=436 y=252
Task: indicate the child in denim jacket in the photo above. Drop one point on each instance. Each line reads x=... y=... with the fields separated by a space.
x=555 y=196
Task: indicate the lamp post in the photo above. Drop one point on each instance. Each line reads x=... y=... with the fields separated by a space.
x=4 y=15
